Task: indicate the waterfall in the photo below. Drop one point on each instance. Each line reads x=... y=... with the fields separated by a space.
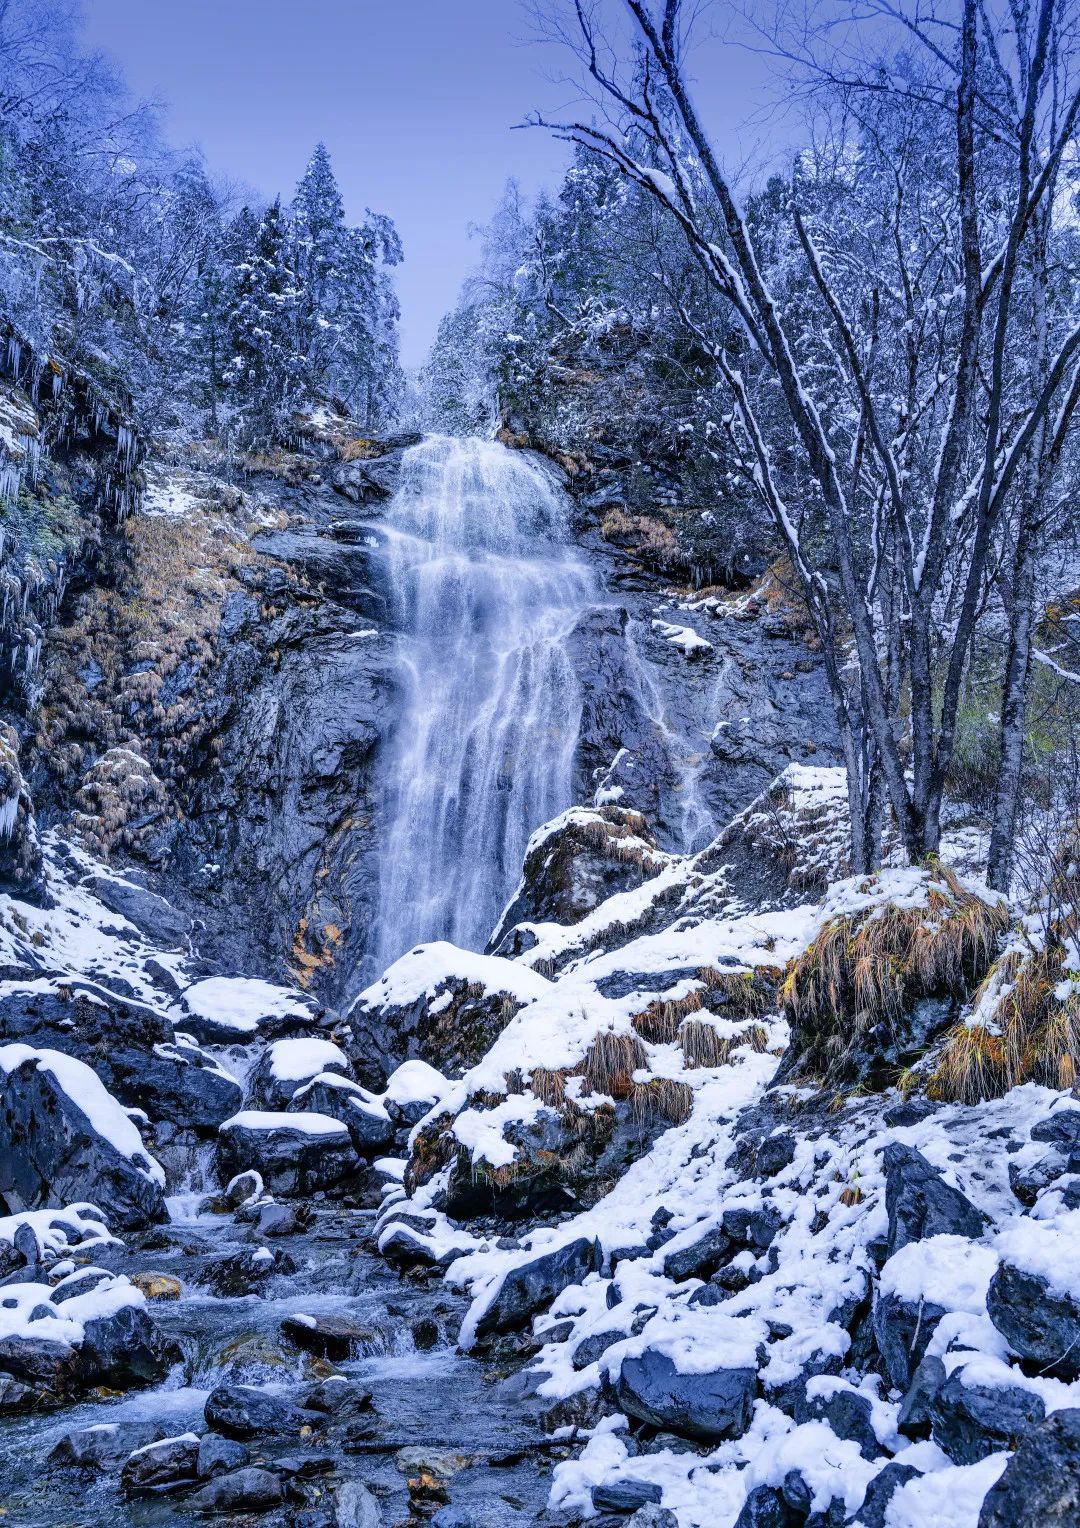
x=487 y=592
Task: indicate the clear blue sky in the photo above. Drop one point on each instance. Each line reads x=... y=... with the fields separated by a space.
x=415 y=99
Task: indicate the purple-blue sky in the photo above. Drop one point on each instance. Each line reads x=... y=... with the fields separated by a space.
x=415 y=99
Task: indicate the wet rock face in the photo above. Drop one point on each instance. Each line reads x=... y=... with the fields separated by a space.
x=52 y=1154
x=292 y=1159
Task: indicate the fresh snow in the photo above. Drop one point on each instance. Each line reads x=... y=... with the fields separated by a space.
x=305 y=1123
x=86 y=1090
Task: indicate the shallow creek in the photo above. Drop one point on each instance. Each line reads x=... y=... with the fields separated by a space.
x=434 y=1413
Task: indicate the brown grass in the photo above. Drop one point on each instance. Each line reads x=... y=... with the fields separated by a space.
x=610 y=1064
x=662 y=1098
x=1030 y=1035
x=864 y=971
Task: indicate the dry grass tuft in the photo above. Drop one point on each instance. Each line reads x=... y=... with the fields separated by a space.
x=610 y=1064
x=869 y=971
x=662 y=1098
x=703 y=1045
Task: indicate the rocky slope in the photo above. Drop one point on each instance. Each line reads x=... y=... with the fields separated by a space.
x=722 y=1188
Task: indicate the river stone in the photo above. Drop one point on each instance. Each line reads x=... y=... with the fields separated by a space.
x=102 y=1447
x=971 y=1421
x=292 y=1158
x=169 y=1462
x=243 y=1411
x=921 y=1204
x=245 y=1272
x=1041 y=1484
x=125 y=1349
x=218 y=1455
x=532 y=1286
x=625 y=1495
x=355 y=1507
x=246 y=1490
x=707 y=1406
x=40 y=1362
x=330 y=1336
x=1036 y=1321
x=52 y=1155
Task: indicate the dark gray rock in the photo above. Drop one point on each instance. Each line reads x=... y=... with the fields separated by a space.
x=291 y=1161
x=218 y=1455
x=247 y=1490
x=1041 y=1484
x=880 y=1492
x=124 y=1350
x=625 y=1495
x=914 y=1417
x=532 y=1286
x=245 y=1272
x=702 y=1258
x=179 y=1083
x=775 y=1153
x=971 y=1421
x=156 y=1466
x=1060 y=1129
x=370 y=1128
x=849 y=1415
x=1036 y=1321
x=276 y=1220
x=331 y=1336
x=242 y=1411
x=902 y=1332
x=767 y=1507
x=51 y=1154
x=920 y=1203
x=98 y=1450
x=1028 y=1181
x=165 y=925
x=707 y=1406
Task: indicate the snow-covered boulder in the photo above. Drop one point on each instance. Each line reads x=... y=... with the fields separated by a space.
x=574 y=863
x=234 y=1010
x=64 y=1138
x=297 y=1153
x=1034 y=1297
x=436 y=1004
x=287 y=1065
x=362 y=1113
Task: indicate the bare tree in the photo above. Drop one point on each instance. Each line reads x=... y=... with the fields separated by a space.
x=959 y=379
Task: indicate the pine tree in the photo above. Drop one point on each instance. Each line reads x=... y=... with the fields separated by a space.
x=264 y=369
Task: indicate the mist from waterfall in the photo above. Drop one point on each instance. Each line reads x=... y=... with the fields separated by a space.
x=487 y=591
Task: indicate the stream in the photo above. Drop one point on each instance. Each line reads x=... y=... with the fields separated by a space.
x=433 y=1413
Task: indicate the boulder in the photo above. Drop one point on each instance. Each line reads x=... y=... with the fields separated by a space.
x=250 y=1489
x=1038 y=1322
x=178 y=1082
x=331 y=1336
x=920 y=1203
x=369 y=1125
x=218 y=1455
x=702 y=1258
x=847 y=1413
x=64 y=1138
x=294 y=1153
x=767 y=1507
x=625 y=1495
x=246 y=1272
x=531 y=1287
x=286 y=1065
x=575 y=863
x=879 y=1493
x=99 y=1449
x=902 y=1331
x=1041 y=1484
x=170 y=1462
x=243 y=1411
x=125 y=1349
x=710 y=1406
x=970 y=1421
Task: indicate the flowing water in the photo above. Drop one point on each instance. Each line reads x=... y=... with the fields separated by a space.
x=488 y=591
x=431 y=1408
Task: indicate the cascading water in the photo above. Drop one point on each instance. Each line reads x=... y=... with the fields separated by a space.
x=488 y=592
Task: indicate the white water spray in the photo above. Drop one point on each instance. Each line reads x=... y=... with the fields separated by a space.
x=488 y=592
